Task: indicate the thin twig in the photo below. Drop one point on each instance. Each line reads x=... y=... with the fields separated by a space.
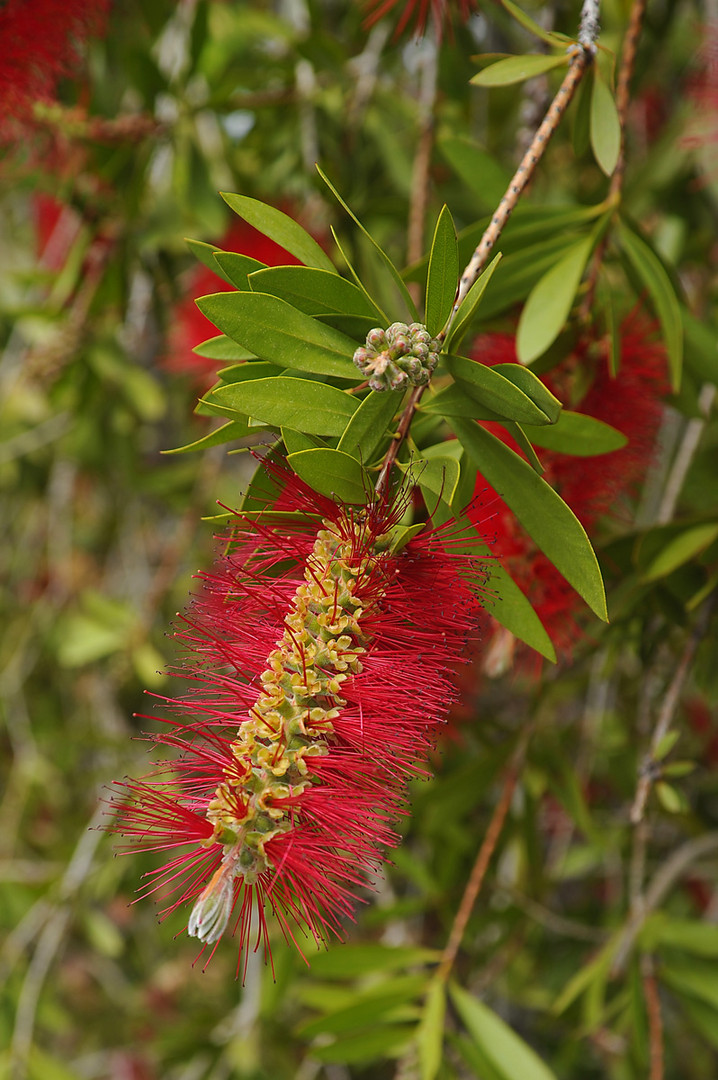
x=686 y=453
x=647 y=770
x=655 y=1020
x=578 y=66
x=623 y=97
x=486 y=850
x=429 y=70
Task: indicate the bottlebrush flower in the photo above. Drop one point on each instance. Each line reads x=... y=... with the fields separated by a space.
x=591 y=486
x=189 y=326
x=41 y=41
x=317 y=686
x=416 y=13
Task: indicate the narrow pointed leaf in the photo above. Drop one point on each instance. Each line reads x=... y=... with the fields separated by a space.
x=478 y=169
x=205 y=254
x=533 y=27
x=277 y=332
x=521 y=439
x=491 y=388
x=443 y=275
x=605 y=125
x=543 y=514
x=237 y=268
x=333 y=473
x=430 y=1036
x=549 y=303
x=368 y=425
x=517 y=69
x=223 y=348
x=311 y=407
x=650 y=270
x=286 y=232
x=470 y=304
x=532 y=386
x=234 y=429
x=578 y=434
x=396 y=276
x=315 y=292
x=509 y=1054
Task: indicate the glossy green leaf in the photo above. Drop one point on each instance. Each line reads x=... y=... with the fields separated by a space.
x=234 y=429
x=333 y=473
x=237 y=268
x=605 y=125
x=282 y=401
x=430 y=1036
x=388 y=264
x=258 y=369
x=511 y=1056
x=491 y=388
x=205 y=253
x=650 y=270
x=522 y=441
x=286 y=232
x=456 y=401
x=533 y=388
x=544 y=515
x=578 y=434
x=546 y=310
x=443 y=274
x=222 y=348
x=517 y=69
x=368 y=425
x=469 y=305
x=436 y=476
x=274 y=330
x=680 y=549
x=383 y=317
x=294 y=440
x=315 y=292
x=510 y=607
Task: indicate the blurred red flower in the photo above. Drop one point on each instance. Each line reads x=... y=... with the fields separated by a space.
x=415 y=14
x=592 y=486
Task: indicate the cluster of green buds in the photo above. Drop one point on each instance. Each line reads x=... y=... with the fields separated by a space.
x=400 y=356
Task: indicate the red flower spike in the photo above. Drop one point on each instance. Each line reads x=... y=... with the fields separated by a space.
x=416 y=13
x=590 y=485
x=317 y=686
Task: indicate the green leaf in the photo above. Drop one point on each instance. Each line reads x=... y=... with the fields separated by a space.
x=389 y=265
x=384 y=318
x=258 y=369
x=578 y=434
x=368 y=425
x=520 y=438
x=671 y=799
x=443 y=274
x=456 y=401
x=315 y=292
x=595 y=972
x=544 y=515
x=549 y=303
x=348 y=961
x=205 y=254
x=581 y=133
x=436 y=476
x=491 y=388
x=237 y=268
x=368 y=1008
x=533 y=388
x=479 y=170
x=222 y=348
x=701 y=347
x=533 y=27
x=650 y=270
x=680 y=549
x=512 y=609
x=605 y=125
x=311 y=407
x=333 y=473
x=517 y=69
x=693 y=978
x=282 y=229
x=691 y=935
x=430 y=1036
x=510 y=1055
x=375 y=1044
x=276 y=331
x=234 y=429
x=294 y=440
x=469 y=305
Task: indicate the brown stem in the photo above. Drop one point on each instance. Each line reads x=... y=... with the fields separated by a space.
x=623 y=97
x=579 y=64
x=655 y=1020
x=422 y=156
x=478 y=873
